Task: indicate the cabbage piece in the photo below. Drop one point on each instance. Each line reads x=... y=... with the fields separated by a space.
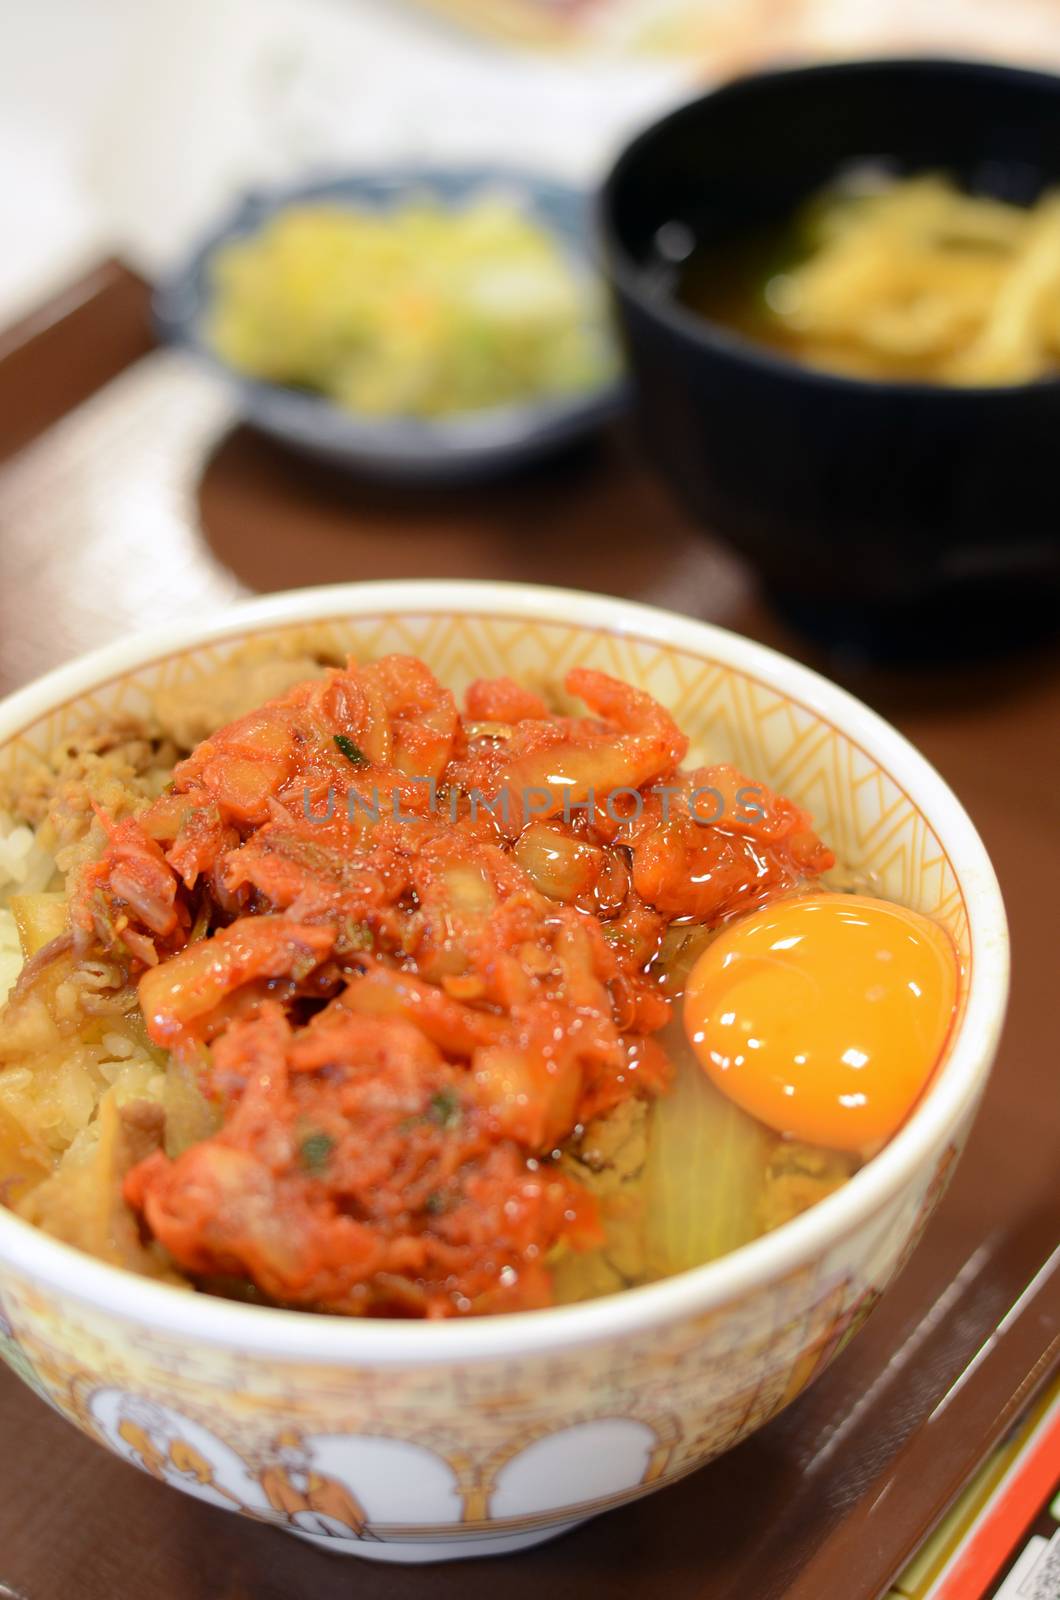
x=39 y=918
x=705 y=1171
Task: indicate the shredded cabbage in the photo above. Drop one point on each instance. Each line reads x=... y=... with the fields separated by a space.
x=416 y=311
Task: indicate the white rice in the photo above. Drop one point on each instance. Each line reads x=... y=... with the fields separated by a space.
x=25 y=868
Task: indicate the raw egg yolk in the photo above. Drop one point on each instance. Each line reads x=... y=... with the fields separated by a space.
x=824 y=1016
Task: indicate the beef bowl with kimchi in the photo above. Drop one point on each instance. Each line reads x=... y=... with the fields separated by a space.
x=470 y=1052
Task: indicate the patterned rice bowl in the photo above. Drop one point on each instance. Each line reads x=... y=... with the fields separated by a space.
x=419 y=1442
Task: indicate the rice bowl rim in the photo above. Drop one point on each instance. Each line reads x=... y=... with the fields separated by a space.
x=333 y=1339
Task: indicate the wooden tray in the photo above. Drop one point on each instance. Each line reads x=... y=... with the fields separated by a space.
x=128 y=495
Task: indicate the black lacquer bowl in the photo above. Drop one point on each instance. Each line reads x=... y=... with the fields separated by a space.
x=894 y=519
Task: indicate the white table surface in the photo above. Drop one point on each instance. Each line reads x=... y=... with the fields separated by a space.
x=127 y=124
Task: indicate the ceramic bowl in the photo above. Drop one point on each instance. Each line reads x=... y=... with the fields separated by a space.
x=408 y=1441
x=454 y=449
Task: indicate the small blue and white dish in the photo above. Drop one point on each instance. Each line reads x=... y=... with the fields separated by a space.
x=458 y=448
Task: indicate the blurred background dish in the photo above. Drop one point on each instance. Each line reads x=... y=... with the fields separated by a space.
x=349 y=317
x=891 y=518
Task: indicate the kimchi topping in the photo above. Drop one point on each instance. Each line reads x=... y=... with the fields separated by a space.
x=410 y=954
